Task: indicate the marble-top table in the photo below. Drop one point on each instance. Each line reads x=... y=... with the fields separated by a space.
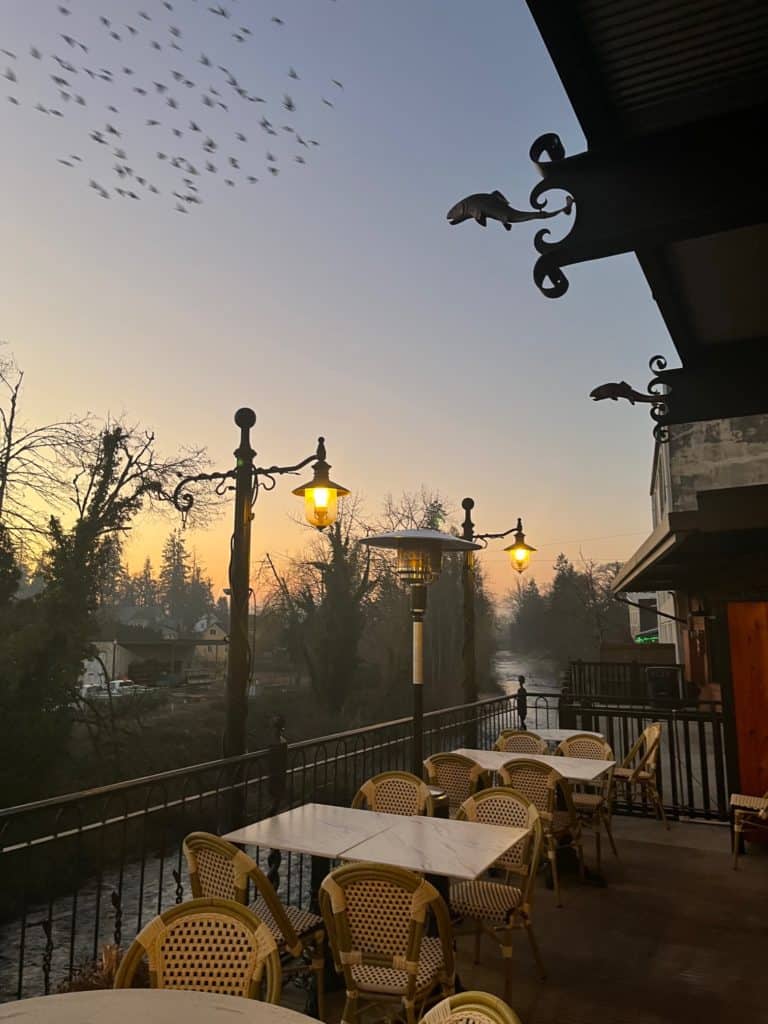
x=434 y=846
x=558 y=735
x=318 y=829
x=575 y=769
x=438 y=846
x=158 y=1006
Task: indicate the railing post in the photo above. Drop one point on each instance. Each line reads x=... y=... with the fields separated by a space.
x=278 y=767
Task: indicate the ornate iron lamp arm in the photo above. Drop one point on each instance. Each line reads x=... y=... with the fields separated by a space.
x=184 y=500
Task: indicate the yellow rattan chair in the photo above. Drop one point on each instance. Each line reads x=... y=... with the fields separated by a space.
x=562 y=825
x=458 y=775
x=748 y=812
x=376 y=917
x=217 y=868
x=520 y=741
x=499 y=907
x=639 y=768
x=471 y=1008
x=206 y=945
x=593 y=803
x=395 y=792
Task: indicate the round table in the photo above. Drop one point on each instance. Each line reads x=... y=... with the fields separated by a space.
x=158 y=1006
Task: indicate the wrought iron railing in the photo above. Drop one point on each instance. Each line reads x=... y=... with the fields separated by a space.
x=81 y=870
x=627 y=680
x=693 y=764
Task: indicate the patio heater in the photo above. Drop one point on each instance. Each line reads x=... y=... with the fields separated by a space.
x=419 y=561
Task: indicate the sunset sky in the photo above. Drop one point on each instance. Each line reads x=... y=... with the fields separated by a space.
x=333 y=298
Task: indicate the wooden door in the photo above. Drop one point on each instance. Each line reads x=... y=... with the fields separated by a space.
x=748 y=634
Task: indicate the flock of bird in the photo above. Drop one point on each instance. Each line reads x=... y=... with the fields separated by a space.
x=134 y=86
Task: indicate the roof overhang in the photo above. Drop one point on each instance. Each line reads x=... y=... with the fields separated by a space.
x=729 y=529
x=670 y=98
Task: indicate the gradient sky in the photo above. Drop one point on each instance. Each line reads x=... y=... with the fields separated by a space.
x=336 y=298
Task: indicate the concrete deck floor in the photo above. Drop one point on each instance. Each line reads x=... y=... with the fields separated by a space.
x=675 y=936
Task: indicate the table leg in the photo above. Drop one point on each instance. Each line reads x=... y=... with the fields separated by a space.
x=333 y=982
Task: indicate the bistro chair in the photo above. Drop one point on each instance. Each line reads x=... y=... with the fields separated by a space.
x=395 y=792
x=639 y=768
x=749 y=812
x=499 y=907
x=217 y=868
x=206 y=945
x=376 y=918
x=471 y=1008
x=520 y=741
x=593 y=803
x=542 y=785
x=459 y=776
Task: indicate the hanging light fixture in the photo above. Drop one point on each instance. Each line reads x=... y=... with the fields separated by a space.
x=320 y=494
x=519 y=551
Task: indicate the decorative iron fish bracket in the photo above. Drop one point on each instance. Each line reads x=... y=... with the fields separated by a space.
x=656 y=398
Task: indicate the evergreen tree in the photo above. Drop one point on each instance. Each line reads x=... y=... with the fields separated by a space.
x=145 y=587
x=198 y=598
x=174 y=576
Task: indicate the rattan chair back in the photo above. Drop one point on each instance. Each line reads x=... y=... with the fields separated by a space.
x=206 y=945
x=395 y=792
x=217 y=868
x=504 y=806
x=536 y=781
x=471 y=1008
x=520 y=741
x=585 y=745
x=643 y=757
x=458 y=775
x=375 y=916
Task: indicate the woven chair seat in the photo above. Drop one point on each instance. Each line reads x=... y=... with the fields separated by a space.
x=491 y=901
x=389 y=981
x=302 y=920
x=749 y=803
x=588 y=802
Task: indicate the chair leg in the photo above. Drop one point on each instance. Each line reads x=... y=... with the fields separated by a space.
x=349 y=1016
x=552 y=855
x=318 y=968
x=535 y=950
x=609 y=832
x=507 y=952
x=580 y=854
x=736 y=841
x=659 y=805
x=410 y=1013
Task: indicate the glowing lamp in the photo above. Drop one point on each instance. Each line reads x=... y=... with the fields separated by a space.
x=519 y=551
x=320 y=494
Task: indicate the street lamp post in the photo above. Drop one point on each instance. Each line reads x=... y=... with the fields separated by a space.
x=320 y=500
x=520 y=556
x=419 y=561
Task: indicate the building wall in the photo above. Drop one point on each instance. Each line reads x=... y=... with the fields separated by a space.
x=709 y=456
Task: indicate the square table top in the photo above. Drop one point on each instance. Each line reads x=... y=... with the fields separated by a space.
x=575 y=769
x=438 y=846
x=319 y=829
x=558 y=735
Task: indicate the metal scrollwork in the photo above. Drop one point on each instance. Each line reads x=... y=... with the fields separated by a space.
x=547 y=268
x=179 y=885
x=184 y=500
x=549 y=143
x=660 y=408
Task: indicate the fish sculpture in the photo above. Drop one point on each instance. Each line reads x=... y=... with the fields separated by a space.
x=620 y=389
x=482 y=205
